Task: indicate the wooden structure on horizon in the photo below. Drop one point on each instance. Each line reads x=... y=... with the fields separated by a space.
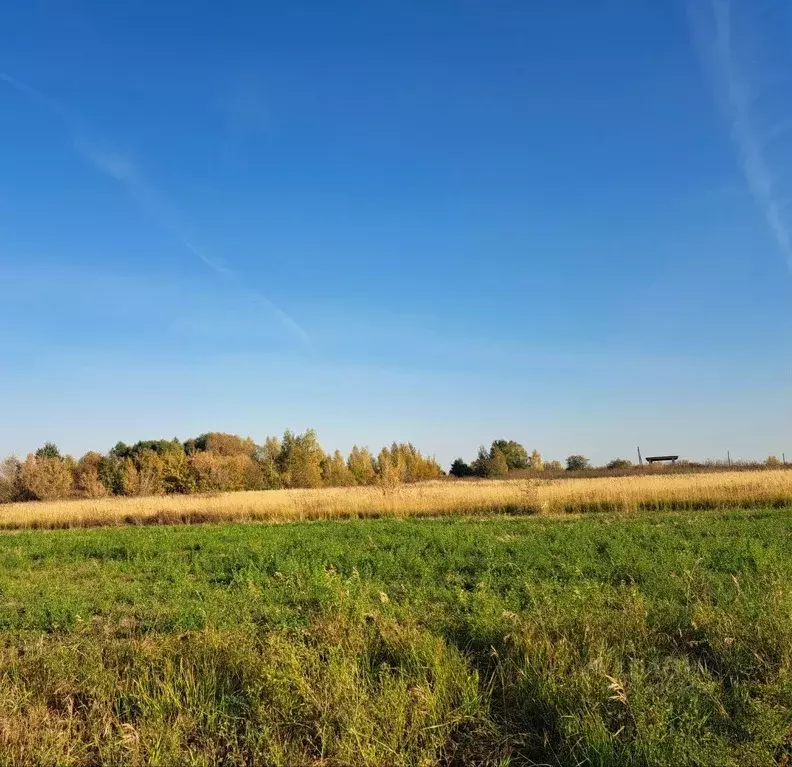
x=661 y=458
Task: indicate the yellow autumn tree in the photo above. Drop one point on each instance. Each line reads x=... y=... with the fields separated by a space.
x=220 y=473
x=498 y=466
x=86 y=476
x=224 y=444
x=418 y=467
x=335 y=472
x=46 y=478
x=301 y=459
x=391 y=468
x=143 y=475
x=361 y=465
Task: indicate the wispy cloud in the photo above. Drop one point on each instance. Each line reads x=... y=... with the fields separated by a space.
x=146 y=196
x=735 y=77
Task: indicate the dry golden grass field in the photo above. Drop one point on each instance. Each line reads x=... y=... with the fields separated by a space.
x=553 y=496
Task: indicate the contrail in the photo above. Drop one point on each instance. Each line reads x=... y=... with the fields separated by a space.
x=736 y=94
x=145 y=196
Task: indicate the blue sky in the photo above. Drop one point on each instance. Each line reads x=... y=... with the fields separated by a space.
x=564 y=223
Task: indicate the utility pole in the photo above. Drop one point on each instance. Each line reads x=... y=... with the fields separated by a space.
x=728 y=457
x=783 y=459
x=640 y=460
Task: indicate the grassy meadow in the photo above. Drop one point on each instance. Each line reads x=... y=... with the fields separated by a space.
x=662 y=638
x=655 y=491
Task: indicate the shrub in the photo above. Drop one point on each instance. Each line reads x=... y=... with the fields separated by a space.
x=553 y=466
x=619 y=463
x=772 y=461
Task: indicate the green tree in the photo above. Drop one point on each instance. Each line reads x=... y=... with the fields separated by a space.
x=159 y=446
x=120 y=451
x=577 y=463
x=460 y=469
x=492 y=462
x=481 y=466
x=772 y=462
x=553 y=466
x=111 y=474
x=48 y=450
x=619 y=463
x=515 y=454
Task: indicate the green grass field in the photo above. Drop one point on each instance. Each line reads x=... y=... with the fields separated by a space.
x=645 y=640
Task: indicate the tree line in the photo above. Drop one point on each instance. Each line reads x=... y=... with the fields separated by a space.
x=212 y=462
x=504 y=456
x=219 y=462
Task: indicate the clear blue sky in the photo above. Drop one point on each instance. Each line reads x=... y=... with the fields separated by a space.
x=565 y=223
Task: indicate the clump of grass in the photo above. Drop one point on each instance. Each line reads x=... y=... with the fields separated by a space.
x=609 y=640
x=439 y=498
